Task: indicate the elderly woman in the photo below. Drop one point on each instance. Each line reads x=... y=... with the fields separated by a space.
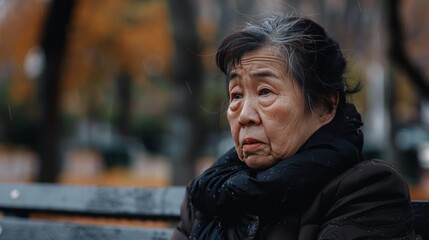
x=296 y=171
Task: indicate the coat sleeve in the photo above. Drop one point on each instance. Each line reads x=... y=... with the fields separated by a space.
x=187 y=216
x=369 y=201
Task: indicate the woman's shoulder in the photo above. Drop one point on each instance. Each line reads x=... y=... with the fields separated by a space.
x=369 y=177
x=372 y=197
x=371 y=182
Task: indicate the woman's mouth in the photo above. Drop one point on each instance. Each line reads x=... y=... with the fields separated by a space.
x=250 y=144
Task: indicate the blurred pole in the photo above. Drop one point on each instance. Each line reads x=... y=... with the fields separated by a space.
x=186 y=134
x=53 y=43
x=397 y=47
x=392 y=152
x=123 y=81
x=399 y=59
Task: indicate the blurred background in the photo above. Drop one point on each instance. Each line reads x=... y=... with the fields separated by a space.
x=126 y=92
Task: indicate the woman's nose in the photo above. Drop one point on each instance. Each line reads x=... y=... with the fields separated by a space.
x=249 y=114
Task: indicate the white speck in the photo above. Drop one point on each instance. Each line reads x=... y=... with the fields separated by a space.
x=14 y=194
x=34 y=62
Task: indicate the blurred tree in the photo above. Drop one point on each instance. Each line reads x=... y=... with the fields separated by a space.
x=400 y=61
x=397 y=49
x=53 y=42
x=20 y=24
x=124 y=93
x=122 y=50
x=187 y=72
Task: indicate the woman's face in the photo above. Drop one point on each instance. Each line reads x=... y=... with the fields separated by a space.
x=266 y=110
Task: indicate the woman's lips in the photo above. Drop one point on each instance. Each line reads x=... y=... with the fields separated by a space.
x=250 y=144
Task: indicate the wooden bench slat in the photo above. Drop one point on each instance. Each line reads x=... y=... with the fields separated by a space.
x=17 y=228
x=141 y=203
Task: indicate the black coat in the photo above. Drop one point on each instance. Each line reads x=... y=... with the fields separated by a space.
x=368 y=201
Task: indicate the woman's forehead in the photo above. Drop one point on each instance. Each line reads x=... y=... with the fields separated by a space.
x=265 y=57
x=268 y=53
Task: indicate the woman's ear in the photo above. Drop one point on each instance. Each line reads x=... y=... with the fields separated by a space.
x=326 y=114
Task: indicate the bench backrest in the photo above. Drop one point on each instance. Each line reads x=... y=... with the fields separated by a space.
x=18 y=202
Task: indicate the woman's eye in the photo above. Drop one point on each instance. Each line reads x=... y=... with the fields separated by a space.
x=235 y=96
x=264 y=91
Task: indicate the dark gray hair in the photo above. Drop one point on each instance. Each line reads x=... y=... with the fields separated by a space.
x=314 y=60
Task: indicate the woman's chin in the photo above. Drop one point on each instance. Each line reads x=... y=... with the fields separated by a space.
x=258 y=163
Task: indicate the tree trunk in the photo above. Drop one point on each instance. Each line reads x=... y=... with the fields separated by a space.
x=401 y=61
x=53 y=43
x=185 y=131
x=397 y=49
x=124 y=93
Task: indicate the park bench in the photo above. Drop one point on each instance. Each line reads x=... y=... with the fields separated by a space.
x=22 y=205
x=29 y=209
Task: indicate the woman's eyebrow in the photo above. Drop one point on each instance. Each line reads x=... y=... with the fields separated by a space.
x=263 y=73
x=233 y=75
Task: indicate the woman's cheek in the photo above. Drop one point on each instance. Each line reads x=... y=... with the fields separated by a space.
x=234 y=130
x=239 y=152
x=234 y=105
x=237 y=146
x=266 y=101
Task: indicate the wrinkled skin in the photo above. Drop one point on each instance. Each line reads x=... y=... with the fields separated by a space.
x=266 y=112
